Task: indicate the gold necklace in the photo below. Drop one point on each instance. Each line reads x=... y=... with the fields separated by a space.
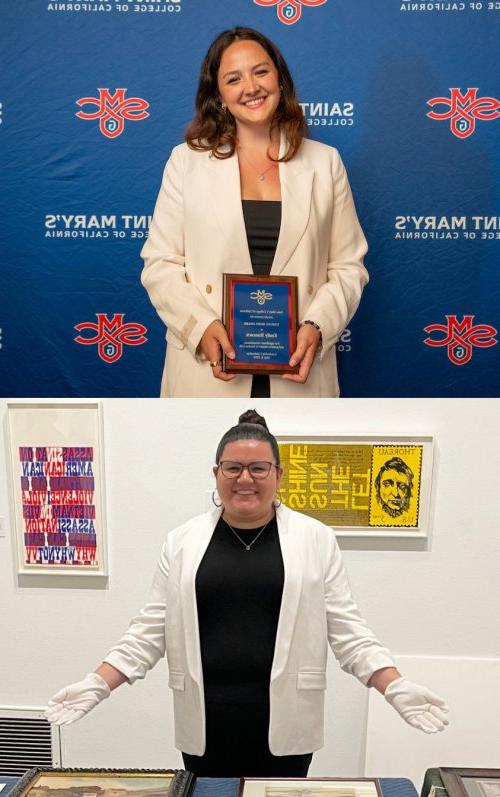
x=261 y=175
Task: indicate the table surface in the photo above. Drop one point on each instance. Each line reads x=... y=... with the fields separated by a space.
x=228 y=787
x=9 y=782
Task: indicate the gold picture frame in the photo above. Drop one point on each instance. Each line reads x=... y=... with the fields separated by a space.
x=44 y=782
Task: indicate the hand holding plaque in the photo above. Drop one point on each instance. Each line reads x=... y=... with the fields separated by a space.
x=260 y=316
x=213 y=344
x=308 y=340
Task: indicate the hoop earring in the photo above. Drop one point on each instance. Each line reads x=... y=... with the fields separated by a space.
x=214 y=501
x=276 y=500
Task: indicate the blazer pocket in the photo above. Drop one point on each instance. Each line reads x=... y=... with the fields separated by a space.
x=176 y=681
x=311 y=680
x=174 y=341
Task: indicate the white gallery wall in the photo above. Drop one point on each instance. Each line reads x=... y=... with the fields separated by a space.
x=441 y=599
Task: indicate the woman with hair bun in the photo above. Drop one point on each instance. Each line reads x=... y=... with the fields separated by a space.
x=244 y=602
x=248 y=193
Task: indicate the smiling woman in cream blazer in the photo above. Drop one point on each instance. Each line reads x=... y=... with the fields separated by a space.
x=198 y=227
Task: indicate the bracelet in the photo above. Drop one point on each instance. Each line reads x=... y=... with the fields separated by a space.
x=316 y=326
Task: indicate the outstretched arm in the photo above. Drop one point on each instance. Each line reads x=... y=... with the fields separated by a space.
x=362 y=655
x=138 y=651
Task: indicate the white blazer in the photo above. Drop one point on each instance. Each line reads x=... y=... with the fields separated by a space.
x=198 y=233
x=317 y=608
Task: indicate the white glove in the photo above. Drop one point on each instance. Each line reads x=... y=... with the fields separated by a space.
x=74 y=701
x=417 y=705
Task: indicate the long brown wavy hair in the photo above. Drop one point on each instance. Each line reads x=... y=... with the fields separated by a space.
x=213 y=128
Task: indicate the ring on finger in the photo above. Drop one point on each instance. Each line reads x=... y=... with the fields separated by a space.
x=215 y=363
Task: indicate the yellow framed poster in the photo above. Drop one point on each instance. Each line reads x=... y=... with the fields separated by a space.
x=361 y=486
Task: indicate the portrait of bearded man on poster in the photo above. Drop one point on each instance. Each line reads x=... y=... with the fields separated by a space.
x=393 y=486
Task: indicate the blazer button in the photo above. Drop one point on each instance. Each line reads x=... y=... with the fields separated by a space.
x=208 y=289
x=310 y=289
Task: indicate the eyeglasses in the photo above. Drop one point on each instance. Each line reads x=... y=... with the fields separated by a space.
x=257 y=470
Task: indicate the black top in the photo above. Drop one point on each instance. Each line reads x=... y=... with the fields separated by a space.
x=238 y=594
x=262 y=224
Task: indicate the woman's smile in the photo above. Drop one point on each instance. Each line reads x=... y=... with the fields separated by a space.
x=256 y=102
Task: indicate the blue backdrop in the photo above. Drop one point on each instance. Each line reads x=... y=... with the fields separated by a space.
x=77 y=191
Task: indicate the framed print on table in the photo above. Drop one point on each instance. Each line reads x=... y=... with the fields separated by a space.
x=368 y=486
x=57 y=478
x=260 y=317
x=41 y=782
x=309 y=787
x=470 y=782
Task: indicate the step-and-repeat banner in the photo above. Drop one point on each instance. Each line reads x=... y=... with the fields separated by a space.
x=95 y=93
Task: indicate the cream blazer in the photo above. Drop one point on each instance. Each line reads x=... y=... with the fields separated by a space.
x=198 y=233
x=317 y=608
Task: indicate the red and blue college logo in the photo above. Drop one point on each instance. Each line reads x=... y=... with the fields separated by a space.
x=460 y=337
x=112 y=110
x=111 y=334
x=289 y=11
x=464 y=109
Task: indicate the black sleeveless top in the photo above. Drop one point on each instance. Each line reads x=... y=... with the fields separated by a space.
x=262 y=224
x=238 y=595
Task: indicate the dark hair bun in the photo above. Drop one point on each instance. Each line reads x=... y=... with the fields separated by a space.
x=251 y=426
x=252 y=416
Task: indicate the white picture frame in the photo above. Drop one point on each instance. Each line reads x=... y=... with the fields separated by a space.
x=315 y=466
x=56 y=462
x=309 y=787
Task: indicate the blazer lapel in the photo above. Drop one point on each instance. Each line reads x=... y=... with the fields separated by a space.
x=291 y=591
x=296 y=189
x=192 y=556
x=225 y=199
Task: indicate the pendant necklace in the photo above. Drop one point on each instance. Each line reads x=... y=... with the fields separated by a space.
x=261 y=175
x=247 y=546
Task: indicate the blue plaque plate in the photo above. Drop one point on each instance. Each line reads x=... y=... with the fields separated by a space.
x=260 y=316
